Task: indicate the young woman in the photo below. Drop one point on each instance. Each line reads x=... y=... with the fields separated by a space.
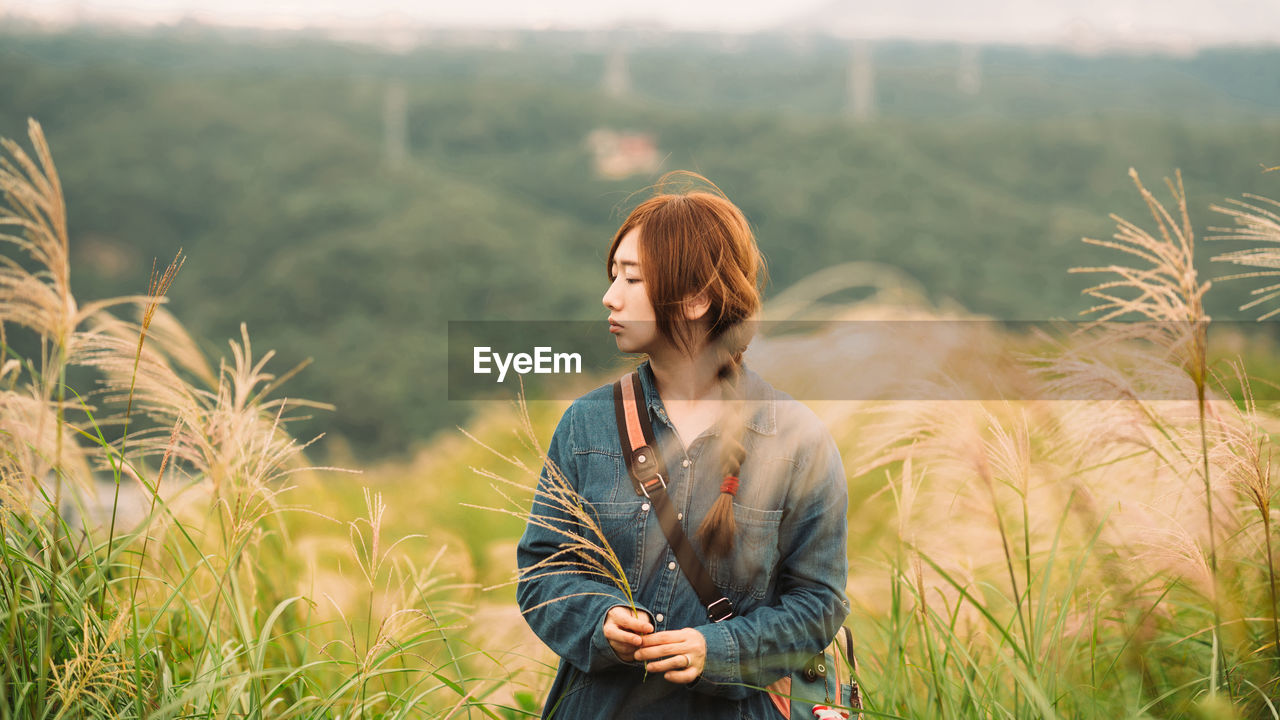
x=685 y=276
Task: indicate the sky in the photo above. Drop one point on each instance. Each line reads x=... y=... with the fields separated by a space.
x=726 y=15
x=1137 y=21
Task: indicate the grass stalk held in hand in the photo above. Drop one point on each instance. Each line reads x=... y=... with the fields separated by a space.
x=557 y=507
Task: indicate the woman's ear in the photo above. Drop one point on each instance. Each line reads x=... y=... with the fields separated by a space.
x=696 y=306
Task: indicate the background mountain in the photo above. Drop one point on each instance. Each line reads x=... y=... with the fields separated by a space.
x=347 y=202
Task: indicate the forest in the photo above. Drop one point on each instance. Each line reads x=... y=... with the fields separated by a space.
x=347 y=202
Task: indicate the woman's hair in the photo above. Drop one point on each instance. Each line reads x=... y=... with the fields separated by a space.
x=696 y=242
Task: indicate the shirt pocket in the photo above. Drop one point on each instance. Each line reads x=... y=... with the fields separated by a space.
x=750 y=566
x=622 y=524
x=601 y=475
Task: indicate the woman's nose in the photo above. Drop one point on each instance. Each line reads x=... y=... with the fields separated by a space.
x=610 y=298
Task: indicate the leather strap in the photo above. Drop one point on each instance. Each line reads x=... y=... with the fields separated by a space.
x=639 y=448
x=648 y=477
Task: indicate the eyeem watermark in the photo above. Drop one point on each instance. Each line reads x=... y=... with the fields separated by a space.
x=937 y=359
x=542 y=362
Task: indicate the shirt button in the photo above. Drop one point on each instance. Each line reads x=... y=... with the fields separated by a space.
x=679 y=516
x=685 y=463
x=671 y=565
x=644 y=506
x=659 y=617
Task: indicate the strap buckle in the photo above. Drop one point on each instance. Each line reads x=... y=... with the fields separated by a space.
x=653 y=483
x=716 y=613
x=646 y=471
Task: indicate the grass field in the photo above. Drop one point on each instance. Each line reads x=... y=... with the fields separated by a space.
x=1109 y=556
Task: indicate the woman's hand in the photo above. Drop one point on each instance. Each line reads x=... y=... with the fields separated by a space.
x=680 y=655
x=623 y=630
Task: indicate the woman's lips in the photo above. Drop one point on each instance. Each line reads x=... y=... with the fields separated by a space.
x=614 y=327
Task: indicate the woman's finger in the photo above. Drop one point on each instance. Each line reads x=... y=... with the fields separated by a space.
x=654 y=652
x=666 y=637
x=683 y=677
x=679 y=661
x=615 y=634
x=625 y=653
x=635 y=623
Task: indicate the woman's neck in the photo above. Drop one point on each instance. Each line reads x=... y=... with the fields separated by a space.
x=684 y=379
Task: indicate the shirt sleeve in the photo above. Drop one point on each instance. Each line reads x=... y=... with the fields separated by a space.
x=773 y=641
x=564 y=605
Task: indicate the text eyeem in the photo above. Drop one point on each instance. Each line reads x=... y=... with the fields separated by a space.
x=541 y=362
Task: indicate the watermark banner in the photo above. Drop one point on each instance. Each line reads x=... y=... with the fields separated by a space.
x=891 y=359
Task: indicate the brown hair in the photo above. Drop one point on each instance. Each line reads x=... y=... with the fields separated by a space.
x=694 y=242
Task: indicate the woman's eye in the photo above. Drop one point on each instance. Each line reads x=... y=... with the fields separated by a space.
x=632 y=281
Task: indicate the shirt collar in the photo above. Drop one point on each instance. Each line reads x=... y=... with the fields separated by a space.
x=764 y=406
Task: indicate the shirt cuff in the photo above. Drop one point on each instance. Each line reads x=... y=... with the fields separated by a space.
x=721 y=673
x=722 y=664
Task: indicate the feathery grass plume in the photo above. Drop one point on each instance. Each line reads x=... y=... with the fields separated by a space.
x=585 y=549
x=232 y=435
x=31 y=435
x=1165 y=292
x=157 y=289
x=174 y=341
x=406 y=615
x=34 y=207
x=33 y=218
x=1244 y=451
x=98 y=676
x=140 y=376
x=131 y=374
x=979 y=461
x=905 y=492
x=1256 y=222
x=1163 y=542
x=36 y=294
x=236 y=443
x=1027 y=469
x=949 y=647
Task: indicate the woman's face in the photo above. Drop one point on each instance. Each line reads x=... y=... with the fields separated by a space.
x=631 y=317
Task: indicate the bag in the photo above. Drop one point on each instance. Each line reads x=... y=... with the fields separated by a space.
x=828 y=678
x=793 y=696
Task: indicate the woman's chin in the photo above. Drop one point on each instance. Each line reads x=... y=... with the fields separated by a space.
x=625 y=346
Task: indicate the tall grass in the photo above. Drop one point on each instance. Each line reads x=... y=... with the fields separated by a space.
x=1109 y=556
x=1105 y=557
x=182 y=593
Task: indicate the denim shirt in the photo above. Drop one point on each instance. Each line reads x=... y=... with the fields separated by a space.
x=785 y=576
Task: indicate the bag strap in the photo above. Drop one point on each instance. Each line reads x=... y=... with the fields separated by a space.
x=649 y=477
